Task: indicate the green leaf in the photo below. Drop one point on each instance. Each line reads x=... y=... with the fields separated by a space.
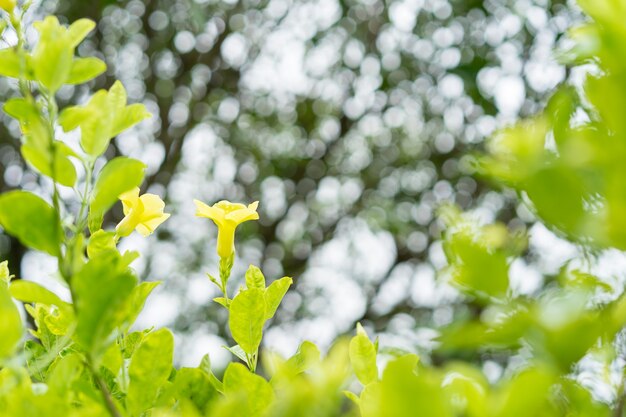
x=370 y=401
x=137 y=300
x=149 y=369
x=21 y=109
x=66 y=370
x=10 y=60
x=117 y=176
x=112 y=359
x=403 y=391
x=104 y=116
x=85 y=69
x=14 y=67
x=465 y=381
x=102 y=288
x=247 y=317
x=255 y=278
x=41 y=157
x=254 y=394
x=101 y=241
x=274 y=295
x=525 y=394
x=306 y=357
x=238 y=352
x=5 y=275
x=11 y=327
x=129 y=116
x=36 y=143
x=223 y=301
x=352 y=397
x=53 y=55
x=79 y=31
x=363 y=357
x=94 y=221
x=31 y=292
x=205 y=366
x=194 y=385
x=33 y=221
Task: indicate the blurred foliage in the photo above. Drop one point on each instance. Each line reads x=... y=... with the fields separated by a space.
x=341 y=117
x=505 y=352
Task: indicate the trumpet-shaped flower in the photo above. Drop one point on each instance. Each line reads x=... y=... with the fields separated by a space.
x=227 y=216
x=144 y=213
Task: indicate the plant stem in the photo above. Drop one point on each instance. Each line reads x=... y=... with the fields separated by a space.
x=81 y=219
x=108 y=400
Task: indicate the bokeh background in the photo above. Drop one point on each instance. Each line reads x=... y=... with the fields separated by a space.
x=350 y=122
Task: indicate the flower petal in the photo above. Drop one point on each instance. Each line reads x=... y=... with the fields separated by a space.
x=229 y=207
x=242 y=215
x=149 y=226
x=129 y=199
x=214 y=213
x=152 y=203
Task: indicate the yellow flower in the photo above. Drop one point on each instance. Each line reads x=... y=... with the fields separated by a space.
x=143 y=213
x=227 y=216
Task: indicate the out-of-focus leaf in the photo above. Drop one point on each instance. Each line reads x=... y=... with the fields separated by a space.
x=363 y=357
x=31 y=292
x=117 y=176
x=85 y=69
x=102 y=288
x=194 y=385
x=33 y=221
x=52 y=58
x=100 y=242
x=253 y=393
x=149 y=369
x=11 y=327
